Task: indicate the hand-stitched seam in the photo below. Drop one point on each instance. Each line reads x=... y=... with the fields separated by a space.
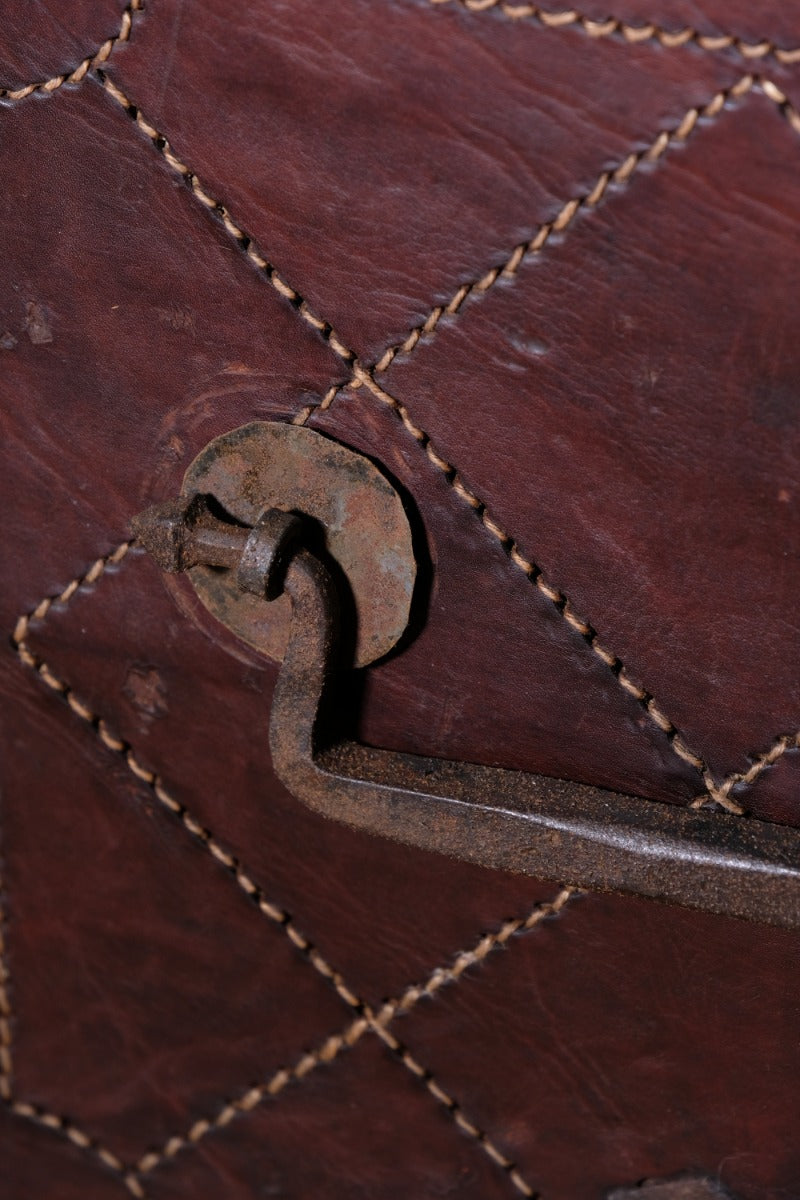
x=100 y=56
x=716 y=792
x=365 y=1022
x=252 y=1097
x=759 y=763
x=632 y=34
x=557 y=598
x=218 y=209
x=452 y=1106
x=620 y=176
x=153 y=781
x=62 y=1125
x=442 y=976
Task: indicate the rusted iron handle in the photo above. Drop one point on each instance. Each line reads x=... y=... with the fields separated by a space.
x=512 y=820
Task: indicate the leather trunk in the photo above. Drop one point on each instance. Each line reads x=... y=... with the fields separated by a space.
x=542 y=266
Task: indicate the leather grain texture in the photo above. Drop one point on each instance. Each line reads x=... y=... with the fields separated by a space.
x=539 y=265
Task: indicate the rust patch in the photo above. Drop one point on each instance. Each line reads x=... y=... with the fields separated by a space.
x=358 y=521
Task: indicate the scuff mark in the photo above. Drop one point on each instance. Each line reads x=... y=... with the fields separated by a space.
x=37 y=324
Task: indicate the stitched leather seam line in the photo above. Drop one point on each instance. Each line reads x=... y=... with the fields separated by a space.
x=758 y=765
x=229 y=862
x=242 y=239
x=456 y=1112
x=632 y=34
x=716 y=792
x=100 y=56
x=332 y=1047
x=40 y=1116
x=352 y=1033
x=557 y=598
x=620 y=175
x=252 y=1097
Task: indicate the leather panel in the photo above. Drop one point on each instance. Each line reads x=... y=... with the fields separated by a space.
x=626 y=409
x=125 y=320
x=146 y=986
x=43 y=40
x=592 y=1086
x=383 y=181
x=193 y=968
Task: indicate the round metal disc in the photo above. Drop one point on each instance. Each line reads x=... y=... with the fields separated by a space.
x=360 y=515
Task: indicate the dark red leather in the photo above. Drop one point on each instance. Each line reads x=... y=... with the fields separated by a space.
x=197 y=966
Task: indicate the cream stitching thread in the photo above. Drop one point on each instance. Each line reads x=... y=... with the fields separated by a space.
x=239 y=235
x=633 y=34
x=621 y=174
x=555 y=596
x=442 y=976
x=455 y=1110
x=759 y=764
x=719 y=793
x=48 y=1120
x=97 y=59
x=119 y=746
x=364 y=1023
x=253 y=1096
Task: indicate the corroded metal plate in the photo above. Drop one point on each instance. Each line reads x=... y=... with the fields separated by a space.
x=361 y=522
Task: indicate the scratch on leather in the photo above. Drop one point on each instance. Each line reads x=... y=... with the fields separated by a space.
x=100 y=56
x=632 y=34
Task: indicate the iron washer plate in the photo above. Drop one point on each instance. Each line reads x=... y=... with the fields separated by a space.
x=365 y=527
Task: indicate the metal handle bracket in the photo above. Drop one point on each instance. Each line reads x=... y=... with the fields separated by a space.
x=504 y=819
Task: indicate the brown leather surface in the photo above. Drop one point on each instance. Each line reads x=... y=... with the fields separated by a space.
x=211 y=992
x=51 y=37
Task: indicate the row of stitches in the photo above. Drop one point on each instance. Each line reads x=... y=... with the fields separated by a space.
x=364 y=1021
x=618 y=177
x=378 y=1024
x=632 y=34
x=100 y=56
x=564 y=19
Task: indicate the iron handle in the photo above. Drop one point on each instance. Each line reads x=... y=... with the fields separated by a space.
x=504 y=819
x=513 y=820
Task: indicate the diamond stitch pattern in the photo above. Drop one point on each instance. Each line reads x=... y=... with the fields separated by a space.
x=169 y=1025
